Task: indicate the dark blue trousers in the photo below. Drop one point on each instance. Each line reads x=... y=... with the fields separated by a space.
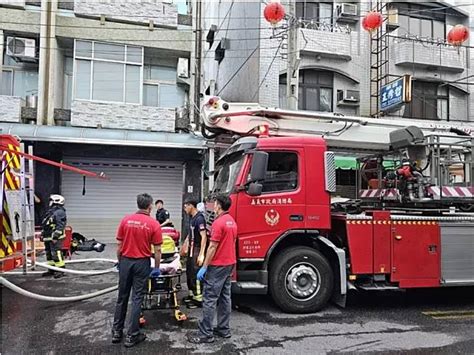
x=216 y=294
x=133 y=275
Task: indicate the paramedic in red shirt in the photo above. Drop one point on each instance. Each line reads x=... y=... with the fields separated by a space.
x=216 y=275
x=135 y=236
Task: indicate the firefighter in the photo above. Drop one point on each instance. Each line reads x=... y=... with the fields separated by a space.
x=53 y=233
x=194 y=247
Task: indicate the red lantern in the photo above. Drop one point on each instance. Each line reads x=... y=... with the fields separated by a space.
x=458 y=35
x=372 y=21
x=274 y=12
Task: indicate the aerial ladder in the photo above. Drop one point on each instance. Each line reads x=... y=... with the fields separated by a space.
x=417 y=164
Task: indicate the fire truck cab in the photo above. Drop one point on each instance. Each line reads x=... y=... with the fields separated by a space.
x=280 y=191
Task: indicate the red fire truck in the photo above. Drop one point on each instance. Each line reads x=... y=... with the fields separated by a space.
x=411 y=225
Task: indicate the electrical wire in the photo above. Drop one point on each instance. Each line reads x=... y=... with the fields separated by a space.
x=238 y=70
x=228 y=28
x=268 y=71
x=146 y=25
x=97 y=14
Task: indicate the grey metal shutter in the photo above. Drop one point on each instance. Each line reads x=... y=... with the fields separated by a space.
x=98 y=213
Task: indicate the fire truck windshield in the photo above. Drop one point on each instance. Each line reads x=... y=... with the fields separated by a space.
x=227 y=174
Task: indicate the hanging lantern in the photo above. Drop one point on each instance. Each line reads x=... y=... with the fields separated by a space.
x=372 y=21
x=458 y=35
x=274 y=12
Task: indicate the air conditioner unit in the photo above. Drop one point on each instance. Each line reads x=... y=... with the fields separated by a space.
x=21 y=49
x=348 y=97
x=346 y=13
x=183 y=68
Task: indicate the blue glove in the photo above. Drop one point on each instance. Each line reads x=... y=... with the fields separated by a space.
x=155 y=272
x=201 y=273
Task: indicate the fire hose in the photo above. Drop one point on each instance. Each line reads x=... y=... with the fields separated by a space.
x=36 y=296
x=79 y=272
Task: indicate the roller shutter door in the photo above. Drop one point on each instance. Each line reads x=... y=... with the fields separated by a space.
x=98 y=213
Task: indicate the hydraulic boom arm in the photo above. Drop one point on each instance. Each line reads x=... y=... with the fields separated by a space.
x=340 y=132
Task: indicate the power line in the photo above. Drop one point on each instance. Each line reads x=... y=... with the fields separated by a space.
x=268 y=70
x=98 y=14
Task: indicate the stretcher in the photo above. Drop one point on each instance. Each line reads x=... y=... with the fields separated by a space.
x=162 y=291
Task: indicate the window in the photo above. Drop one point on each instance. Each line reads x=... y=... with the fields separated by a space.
x=160 y=87
x=315 y=90
x=67 y=84
x=6 y=84
x=345 y=177
x=108 y=72
x=321 y=12
x=429 y=101
x=420 y=21
x=227 y=174
x=19 y=82
x=282 y=172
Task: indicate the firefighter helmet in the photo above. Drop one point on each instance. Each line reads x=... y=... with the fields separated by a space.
x=56 y=200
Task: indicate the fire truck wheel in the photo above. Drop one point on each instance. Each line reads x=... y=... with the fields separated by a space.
x=301 y=280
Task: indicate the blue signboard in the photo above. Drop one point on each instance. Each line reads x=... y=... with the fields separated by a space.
x=395 y=93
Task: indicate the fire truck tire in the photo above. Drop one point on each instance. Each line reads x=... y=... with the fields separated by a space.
x=301 y=280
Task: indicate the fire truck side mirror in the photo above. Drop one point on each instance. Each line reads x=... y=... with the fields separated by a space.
x=259 y=166
x=254 y=189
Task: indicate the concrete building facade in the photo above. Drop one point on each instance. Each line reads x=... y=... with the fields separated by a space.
x=335 y=57
x=103 y=85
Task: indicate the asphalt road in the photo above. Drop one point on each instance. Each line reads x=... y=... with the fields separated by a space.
x=417 y=322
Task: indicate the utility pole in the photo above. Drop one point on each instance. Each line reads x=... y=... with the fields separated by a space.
x=292 y=74
x=197 y=62
x=47 y=62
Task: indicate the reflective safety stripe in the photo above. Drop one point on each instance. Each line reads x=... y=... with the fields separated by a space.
x=60 y=262
x=198 y=295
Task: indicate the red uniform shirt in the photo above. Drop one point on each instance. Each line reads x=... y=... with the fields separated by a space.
x=137 y=233
x=224 y=232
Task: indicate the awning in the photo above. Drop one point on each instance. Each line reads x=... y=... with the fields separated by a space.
x=346 y=163
x=102 y=136
x=350 y=163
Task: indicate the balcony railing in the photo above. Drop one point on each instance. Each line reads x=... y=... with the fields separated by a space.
x=323 y=26
x=11 y=108
x=426 y=52
x=122 y=116
x=328 y=40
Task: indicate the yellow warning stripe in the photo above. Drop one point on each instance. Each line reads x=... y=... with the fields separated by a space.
x=7 y=248
x=15 y=162
x=10 y=182
x=4 y=245
x=6 y=225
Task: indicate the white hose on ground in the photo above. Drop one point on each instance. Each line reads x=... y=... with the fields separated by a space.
x=32 y=272
x=75 y=272
x=75 y=261
x=36 y=296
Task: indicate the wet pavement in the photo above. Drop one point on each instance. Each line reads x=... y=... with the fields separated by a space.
x=416 y=322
